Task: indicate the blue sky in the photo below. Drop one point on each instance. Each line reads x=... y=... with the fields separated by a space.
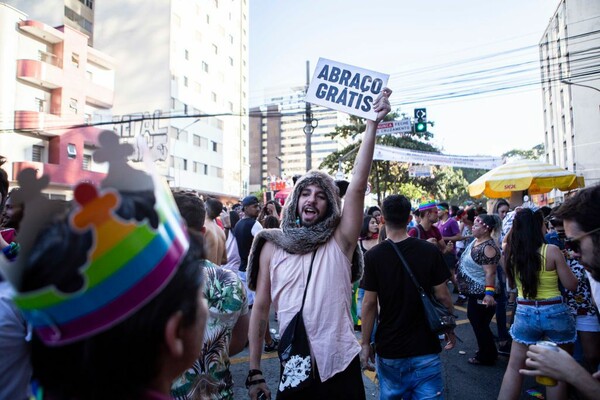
x=429 y=47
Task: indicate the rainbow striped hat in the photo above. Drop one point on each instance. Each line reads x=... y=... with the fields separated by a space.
x=427 y=205
x=129 y=263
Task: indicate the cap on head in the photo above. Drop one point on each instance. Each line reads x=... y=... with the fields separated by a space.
x=249 y=201
x=428 y=205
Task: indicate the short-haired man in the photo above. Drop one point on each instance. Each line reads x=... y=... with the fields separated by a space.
x=313 y=224
x=581 y=220
x=426 y=229
x=214 y=236
x=244 y=232
x=408 y=363
x=227 y=328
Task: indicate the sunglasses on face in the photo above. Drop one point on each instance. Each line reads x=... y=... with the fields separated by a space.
x=573 y=244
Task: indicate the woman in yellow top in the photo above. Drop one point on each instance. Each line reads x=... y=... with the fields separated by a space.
x=535 y=269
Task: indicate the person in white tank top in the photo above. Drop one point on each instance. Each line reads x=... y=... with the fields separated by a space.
x=279 y=262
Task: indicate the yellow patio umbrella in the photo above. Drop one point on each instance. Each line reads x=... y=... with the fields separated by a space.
x=534 y=176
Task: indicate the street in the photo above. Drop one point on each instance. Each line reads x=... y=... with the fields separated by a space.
x=462 y=380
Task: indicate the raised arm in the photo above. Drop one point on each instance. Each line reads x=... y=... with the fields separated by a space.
x=352 y=214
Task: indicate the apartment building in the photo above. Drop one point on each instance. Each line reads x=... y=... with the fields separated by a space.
x=278 y=146
x=53 y=84
x=571 y=89
x=76 y=14
x=181 y=82
x=182 y=85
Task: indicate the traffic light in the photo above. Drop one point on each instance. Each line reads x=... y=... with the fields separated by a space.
x=420 y=120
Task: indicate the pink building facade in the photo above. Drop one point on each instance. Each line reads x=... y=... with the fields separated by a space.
x=54 y=88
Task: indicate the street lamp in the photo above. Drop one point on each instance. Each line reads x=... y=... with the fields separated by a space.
x=579 y=84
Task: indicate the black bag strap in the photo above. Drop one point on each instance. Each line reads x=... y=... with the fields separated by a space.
x=312 y=260
x=406 y=267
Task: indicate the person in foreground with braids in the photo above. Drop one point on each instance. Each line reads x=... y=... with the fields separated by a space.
x=278 y=266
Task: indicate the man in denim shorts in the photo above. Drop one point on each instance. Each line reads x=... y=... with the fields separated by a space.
x=408 y=361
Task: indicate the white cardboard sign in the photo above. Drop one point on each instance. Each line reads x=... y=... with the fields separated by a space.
x=346 y=88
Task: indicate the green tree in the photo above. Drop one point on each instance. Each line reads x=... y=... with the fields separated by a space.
x=389 y=177
x=532 y=154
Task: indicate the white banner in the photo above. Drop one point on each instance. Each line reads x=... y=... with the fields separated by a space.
x=345 y=88
x=390 y=127
x=422 y=157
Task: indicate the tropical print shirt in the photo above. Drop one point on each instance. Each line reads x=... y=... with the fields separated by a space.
x=210 y=373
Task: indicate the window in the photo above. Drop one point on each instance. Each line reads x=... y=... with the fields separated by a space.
x=231 y=39
x=207 y=19
x=186 y=54
x=215 y=49
x=87 y=162
x=230 y=106
x=216 y=3
x=231 y=61
x=185 y=81
x=40 y=104
x=183 y=136
x=75 y=60
x=216 y=171
x=204 y=66
x=214 y=97
x=214 y=146
x=184 y=164
x=196 y=141
x=73 y=105
x=71 y=150
x=37 y=153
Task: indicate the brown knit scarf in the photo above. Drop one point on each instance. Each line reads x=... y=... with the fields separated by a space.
x=296 y=239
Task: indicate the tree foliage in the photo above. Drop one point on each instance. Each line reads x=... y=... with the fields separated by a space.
x=391 y=177
x=532 y=154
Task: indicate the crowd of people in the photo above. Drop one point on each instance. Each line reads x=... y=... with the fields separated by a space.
x=133 y=291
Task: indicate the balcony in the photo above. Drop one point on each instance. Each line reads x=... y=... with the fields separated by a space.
x=47 y=73
x=38 y=121
x=68 y=173
x=42 y=31
x=98 y=96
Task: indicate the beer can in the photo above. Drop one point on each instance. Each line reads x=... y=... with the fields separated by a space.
x=546 y=380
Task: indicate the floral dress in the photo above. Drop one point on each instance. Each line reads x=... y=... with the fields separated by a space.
x=210 y=373
x=580 y=301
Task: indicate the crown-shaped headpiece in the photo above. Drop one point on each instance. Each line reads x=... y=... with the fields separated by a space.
x=129 y=261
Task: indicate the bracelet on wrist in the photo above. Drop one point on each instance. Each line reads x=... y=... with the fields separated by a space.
x=252 y=373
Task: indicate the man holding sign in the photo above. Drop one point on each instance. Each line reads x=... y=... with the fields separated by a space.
x=316 y=236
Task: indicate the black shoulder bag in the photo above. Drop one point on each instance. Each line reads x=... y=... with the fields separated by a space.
x=294 y=352
x=439 y=319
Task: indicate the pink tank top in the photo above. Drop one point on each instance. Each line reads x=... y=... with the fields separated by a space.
x=326 y=312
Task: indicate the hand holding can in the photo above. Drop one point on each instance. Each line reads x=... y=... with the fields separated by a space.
x=546 y=380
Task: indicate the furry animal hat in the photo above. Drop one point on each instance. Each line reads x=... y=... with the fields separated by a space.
x=297 y=239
